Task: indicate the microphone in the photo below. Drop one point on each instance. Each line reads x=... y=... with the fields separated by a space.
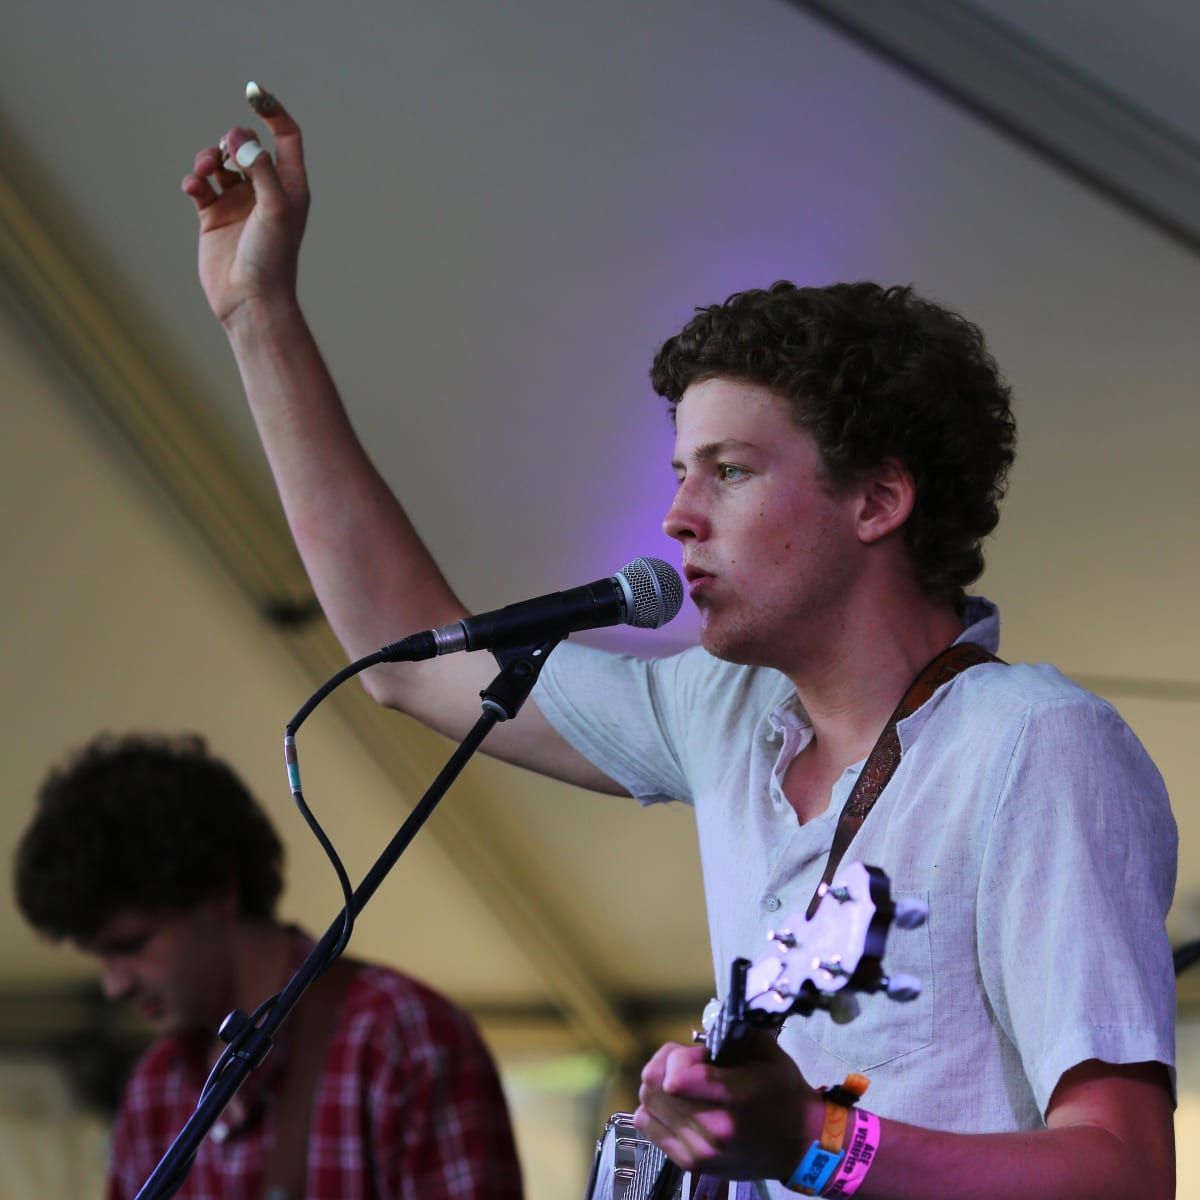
x=646 y=593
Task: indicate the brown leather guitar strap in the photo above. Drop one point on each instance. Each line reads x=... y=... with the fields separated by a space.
x=884 y=758
x=313 y=1019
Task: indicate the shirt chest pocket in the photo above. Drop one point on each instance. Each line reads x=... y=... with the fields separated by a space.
x=885 y=1029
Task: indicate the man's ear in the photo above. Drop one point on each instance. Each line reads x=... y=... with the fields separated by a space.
x=886 y=499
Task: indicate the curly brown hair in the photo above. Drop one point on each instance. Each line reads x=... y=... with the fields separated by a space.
x=872 y=372
x=143 y=821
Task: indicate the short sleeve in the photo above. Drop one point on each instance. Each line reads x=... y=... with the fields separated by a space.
x=622 y=714
x=1078 y=874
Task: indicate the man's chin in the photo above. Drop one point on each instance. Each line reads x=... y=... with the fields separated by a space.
x=160 y=1020
x=725 y=644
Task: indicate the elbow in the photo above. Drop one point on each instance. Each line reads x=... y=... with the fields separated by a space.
x=381 y=685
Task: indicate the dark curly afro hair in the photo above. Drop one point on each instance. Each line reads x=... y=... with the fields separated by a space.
x=143 y=822
x=872 y=372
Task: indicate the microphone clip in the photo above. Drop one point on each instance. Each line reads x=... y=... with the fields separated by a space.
x=520 y=667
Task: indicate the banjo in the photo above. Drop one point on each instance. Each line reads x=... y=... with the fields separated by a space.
x=817 y=962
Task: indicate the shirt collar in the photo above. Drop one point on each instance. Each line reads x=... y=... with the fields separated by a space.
x=981 y=625
x=982 y=620
x=249 y=1102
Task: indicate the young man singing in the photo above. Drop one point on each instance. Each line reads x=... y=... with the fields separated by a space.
x=841 y=453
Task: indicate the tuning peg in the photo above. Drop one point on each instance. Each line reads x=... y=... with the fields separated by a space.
x=784 y=937
x=843 y=1008
x=902 y=986
x=911 y=913
x=708 y=1018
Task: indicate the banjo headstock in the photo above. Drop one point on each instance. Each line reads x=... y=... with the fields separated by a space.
x=815 y=962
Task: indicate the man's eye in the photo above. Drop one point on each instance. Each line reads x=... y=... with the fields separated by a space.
x=730 y=474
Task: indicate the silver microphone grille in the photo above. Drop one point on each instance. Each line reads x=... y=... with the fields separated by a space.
x=657 y=592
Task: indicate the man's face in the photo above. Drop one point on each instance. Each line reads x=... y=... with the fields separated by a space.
x=768 y=548
x=173 y=966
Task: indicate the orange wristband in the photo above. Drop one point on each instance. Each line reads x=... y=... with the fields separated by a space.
x=838 y=1103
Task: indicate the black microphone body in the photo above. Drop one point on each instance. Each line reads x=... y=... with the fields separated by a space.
x=646 y=593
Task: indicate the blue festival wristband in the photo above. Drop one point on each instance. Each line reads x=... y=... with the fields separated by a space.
x=815 y=1170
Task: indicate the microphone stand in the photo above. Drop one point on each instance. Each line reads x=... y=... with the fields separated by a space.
x=1184 y=956
x=249 y=1043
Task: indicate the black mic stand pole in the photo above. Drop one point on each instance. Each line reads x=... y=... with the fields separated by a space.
x=248 y=1043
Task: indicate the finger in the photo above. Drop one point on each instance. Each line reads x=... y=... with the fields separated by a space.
x=289 y=146
x=207 y=160
x=712 y=1126
x=684 y=1071
x=652 y=1072
x=214 y=163
x=201 y=192
x=225 y=178
x=250 y=157
x=686 y=1145
x=690 y=1076
x=714 y=1123
x=671 y=1143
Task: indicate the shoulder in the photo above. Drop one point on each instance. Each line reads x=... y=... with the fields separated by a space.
x=156 y=1073
x=387 y=1007
x=1027 y=725
x=1067 y=746
x=688 y=688
x=1034 y=694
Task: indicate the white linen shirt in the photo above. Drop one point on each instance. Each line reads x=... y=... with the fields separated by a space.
x=1024 y=812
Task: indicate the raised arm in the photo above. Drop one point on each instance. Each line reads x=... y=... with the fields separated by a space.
x=372 y=573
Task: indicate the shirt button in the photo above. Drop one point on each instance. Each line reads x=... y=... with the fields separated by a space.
x=220 y=1131
x=772 y=903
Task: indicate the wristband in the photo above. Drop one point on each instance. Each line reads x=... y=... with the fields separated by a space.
x=859 y=1155
x=815 y=1170
x=823 y=1158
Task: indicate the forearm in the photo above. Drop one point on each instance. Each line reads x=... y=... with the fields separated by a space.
x=372 y=574
x=1080 y=1161
x=1109 y=1133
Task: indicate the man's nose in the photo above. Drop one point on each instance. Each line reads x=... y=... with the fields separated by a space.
x=683 y=521
x=116 y=979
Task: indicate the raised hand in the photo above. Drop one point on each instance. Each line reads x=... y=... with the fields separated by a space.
x=252 y=211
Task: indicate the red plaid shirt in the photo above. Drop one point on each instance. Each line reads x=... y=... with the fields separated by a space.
x=408 y=1107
